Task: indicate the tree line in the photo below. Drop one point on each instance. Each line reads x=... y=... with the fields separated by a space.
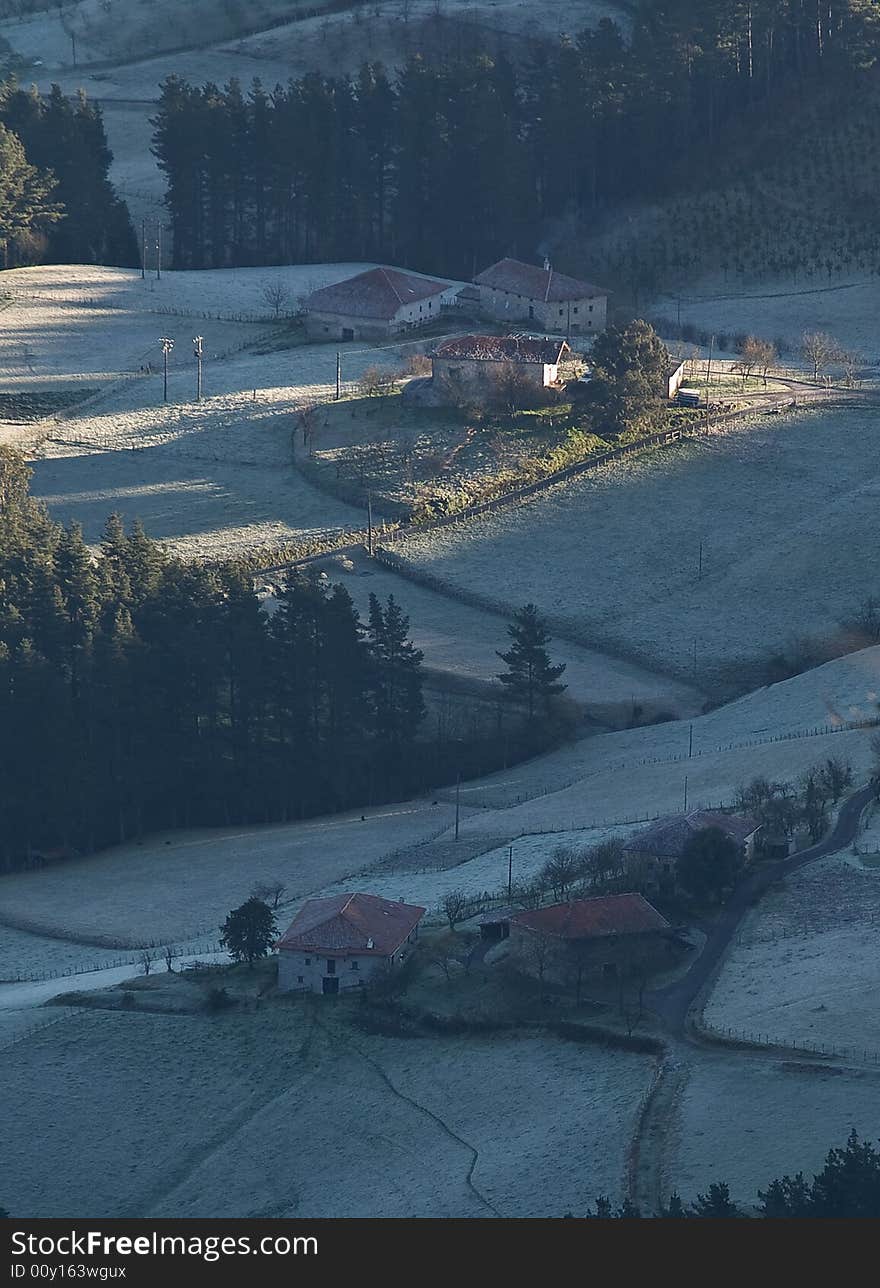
x=447 y=167
x=138 y=691
x=57 y=203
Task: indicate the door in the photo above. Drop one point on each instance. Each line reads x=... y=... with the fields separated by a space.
x=348 y=333
x=330 y=984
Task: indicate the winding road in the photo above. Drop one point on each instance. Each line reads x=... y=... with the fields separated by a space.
x=673 y=1003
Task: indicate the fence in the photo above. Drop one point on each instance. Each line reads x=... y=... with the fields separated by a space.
x=801 y=1046
x=37 y=1027
x=155 y=951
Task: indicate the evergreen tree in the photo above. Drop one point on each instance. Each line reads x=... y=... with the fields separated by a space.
x=530 y=679
x=396 y=672
x=27 y=199
x=249 y=931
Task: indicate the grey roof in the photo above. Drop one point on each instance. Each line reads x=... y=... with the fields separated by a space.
x=378 y=293
x=668 y=836
x=542 y=284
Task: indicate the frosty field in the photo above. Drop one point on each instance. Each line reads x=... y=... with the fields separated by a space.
x=312 y=1125
x=785 y=514
x=747 y=1121
x=783 y=975
x=847 y=310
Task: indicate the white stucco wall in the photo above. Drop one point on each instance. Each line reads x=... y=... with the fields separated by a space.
x=306 y=972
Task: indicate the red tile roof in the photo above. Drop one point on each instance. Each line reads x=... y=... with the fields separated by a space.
x=613 y=914
x=501 y=348
x=668 y=836
x=378 y=293
x=542 y=284
x=350 y=925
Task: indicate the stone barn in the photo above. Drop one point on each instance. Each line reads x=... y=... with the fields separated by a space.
x=374 y=305
x=511 y=291
x=337 y=944
x=653 y=854
x=489 y=367
x=608 y=937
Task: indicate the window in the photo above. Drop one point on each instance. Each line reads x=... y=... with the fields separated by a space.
x=355 y=965
x=560 y=312
x=308 y=961
x=331 y=966
x=575 y=308
x=591 y=308
x=300 y=979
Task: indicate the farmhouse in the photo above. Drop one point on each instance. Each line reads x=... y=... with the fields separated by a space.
x=480 y=365
x=655 y=852
x=375 y=304
x=511 y=291
x=607 y=934
x=336 y=944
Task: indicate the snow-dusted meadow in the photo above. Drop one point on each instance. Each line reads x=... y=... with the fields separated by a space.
x=212 y=478
x=747 y=1121
x=846 y=310
x=785 y=510
x=463 y=641
x=804 y=968
x=275 y=1115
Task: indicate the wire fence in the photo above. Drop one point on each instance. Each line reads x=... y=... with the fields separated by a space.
x=800 y=1046
x=155 y=952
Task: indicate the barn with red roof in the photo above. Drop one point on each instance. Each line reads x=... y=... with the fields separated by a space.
x=337 y=943
x=611 y=935
x=512 y=291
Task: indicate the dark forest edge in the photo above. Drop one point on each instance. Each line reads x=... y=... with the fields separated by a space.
x=140 y=692
x=57 y=204
x=447 y=167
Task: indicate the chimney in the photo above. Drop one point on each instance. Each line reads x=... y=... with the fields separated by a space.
x=370 y=943
x=546 y=263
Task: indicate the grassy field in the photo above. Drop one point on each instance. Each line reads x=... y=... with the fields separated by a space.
x=285 y=1112
x=782 y=509
x=783 y=975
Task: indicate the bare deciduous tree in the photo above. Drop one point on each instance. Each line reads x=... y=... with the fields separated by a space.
x=269 y=891
x=454 y=906
x=819 y=349
x=276 y=295
x=146 y=963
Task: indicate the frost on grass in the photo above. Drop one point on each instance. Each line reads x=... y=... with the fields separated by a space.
x=804 y=967
x=785 y=514
x=745 y=1122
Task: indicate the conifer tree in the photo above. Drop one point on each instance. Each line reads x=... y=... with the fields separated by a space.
x=530 y=678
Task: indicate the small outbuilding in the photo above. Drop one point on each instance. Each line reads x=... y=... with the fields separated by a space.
x=373 y=305
x=674 y=378
x=481 y=365
x=337 y=944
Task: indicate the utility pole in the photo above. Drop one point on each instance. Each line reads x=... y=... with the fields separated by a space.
x=509 y=873
x=369 y=525
x=457 y=802
x=158 y=252
x=709 y=376
x=198 y=342
x=691 y=742
x=143 y=248
x=338 y=373
x=685 y=793
x=167 y=346
x=700 y=564
x=73 y=46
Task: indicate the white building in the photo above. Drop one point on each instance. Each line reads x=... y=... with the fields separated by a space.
x=476 y=364
x=373 y=305
x=511 y=291
x=336 y=944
